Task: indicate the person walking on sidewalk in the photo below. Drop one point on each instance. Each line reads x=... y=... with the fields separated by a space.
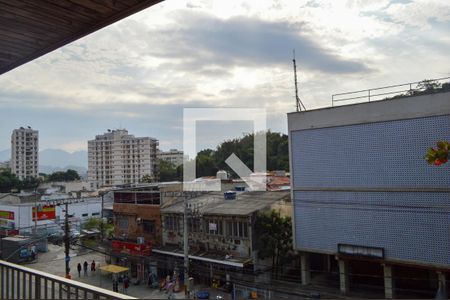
x=79 y=269
x=85 y=268
x=115 y=285
x=126 y=283
x=93 y=267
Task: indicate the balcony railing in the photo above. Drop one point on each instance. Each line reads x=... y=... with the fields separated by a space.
x=18 y=282
x=390 y=92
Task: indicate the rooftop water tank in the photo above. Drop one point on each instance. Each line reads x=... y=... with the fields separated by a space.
x=222 y=175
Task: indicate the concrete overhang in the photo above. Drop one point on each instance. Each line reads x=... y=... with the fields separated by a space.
x=30 y=29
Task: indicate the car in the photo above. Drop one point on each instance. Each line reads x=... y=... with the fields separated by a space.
x=74 y=233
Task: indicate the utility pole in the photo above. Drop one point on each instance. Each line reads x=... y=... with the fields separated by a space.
x=101 y=219
x=35 y=211
x=67 y=239
x=66 y=203
x=186 y=249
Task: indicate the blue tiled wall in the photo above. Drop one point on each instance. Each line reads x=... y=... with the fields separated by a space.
x=412 y=226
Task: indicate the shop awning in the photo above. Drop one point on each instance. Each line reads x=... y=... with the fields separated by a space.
x=114 y=269
x=238 y=264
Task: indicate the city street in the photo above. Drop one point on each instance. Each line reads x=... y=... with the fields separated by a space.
x=53 y=262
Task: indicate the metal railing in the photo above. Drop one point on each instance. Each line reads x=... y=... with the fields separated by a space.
x=18 y=282
x=385 y=92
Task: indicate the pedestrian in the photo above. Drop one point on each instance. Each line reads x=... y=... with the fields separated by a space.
x=115 y=285
x=126 y=283
x=79 y=269
x=85 y=268
x=93 y=267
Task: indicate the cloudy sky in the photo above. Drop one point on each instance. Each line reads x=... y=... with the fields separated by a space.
x=141 y=72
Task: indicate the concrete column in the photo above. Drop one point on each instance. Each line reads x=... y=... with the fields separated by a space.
x=305 y=272
x=388 y=282
x=343 y=276
x=442 y=290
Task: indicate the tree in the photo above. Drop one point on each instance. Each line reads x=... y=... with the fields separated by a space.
x=428 y=85
x=273 y=238
x=69 y=175
x=438 y=156
x=147 y=178
x=209 y=161
x=9 y=181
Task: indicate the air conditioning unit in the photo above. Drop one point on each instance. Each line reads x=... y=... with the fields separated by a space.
x=139 y=221
x=140 y=240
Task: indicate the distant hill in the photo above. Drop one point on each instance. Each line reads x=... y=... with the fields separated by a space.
x=5 y=155
x=51 y=160
x=61 y=158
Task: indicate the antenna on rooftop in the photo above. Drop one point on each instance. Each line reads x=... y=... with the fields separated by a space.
x=298 y=102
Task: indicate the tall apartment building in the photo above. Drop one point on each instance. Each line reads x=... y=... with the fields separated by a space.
x=116 y=158
x=24 y=152
x=173 y=156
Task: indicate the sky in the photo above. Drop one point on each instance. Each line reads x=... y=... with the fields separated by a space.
x=140 y=72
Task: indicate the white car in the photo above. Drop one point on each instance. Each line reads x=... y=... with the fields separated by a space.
x=74 y=233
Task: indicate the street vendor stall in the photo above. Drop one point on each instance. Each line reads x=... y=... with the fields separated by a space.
x=115 y=270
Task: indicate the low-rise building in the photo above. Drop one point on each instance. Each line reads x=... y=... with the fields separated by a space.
x=18 y=216
x=221 y=233
x=173 y=156
x=137 y=225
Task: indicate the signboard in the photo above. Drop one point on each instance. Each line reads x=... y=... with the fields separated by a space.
x=4 y=214
x=44 y=212
x=6 y=224
x=354 y=250
x=131 y=248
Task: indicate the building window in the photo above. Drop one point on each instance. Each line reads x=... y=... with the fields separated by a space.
x=171 y=223
x=96 y=214
x=214 y=226
x=194 y=225
x=84 y=215
x=237 y=229
x=148 y=226
x=122 y=222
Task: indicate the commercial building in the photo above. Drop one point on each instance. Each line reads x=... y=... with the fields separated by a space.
x=363 y=193
x=19 y=217
x=222 y=240
x=24 y=152
x=137 y=224
x=117 y=158
x=173 y=156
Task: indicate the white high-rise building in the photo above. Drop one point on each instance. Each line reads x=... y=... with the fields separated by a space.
x=173 y=156
x=116 y=158
x=24 y=152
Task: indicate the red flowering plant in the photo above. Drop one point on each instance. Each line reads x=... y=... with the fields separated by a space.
x=438 y=156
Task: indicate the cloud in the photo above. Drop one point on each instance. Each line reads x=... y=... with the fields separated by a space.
x=140 y=72
x=420 y=13
x=206 y=41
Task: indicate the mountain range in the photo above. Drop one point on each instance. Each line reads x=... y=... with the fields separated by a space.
x=52 y=160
